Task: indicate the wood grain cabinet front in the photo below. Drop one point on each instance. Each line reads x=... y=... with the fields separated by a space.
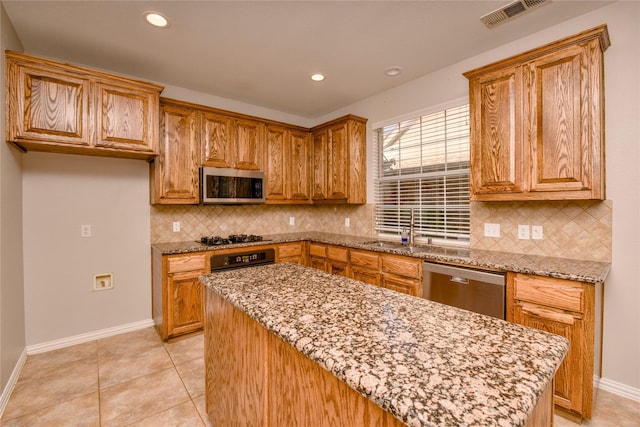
x=177 y=293
x=537 y=129
x=338 y=161
x=569 y=309
x=62 y=108
x=286 y=165
x=174 y=174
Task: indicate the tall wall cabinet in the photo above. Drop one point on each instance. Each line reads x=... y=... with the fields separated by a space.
x=57 y=107
x=537 y=122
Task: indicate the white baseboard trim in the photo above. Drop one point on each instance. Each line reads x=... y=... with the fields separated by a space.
x=8 y=389
x=619 y=389
x=89 y=336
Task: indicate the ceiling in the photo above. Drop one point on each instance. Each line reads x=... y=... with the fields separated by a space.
x=263 y=52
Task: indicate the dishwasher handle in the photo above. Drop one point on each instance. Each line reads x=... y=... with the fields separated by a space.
x=459 y=280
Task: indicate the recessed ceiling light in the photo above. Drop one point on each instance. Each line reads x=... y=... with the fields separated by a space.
x=318 y=77
x=156 y=19
x=393 y=71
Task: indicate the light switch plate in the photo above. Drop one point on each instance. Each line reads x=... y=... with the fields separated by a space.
x=523 y=232
x=536 y=232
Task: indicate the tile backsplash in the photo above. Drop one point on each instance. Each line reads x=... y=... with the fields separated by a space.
x=222 y=220
x=571 y=229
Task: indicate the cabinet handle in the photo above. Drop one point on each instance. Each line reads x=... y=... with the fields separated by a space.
x=549 y=314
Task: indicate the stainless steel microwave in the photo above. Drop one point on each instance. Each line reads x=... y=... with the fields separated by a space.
x=231 y=186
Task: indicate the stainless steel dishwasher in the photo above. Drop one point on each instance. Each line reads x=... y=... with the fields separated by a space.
x=474 y=290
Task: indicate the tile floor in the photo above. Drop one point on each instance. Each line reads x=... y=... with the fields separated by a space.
x=135 y=379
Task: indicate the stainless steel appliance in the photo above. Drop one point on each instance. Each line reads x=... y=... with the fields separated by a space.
x=247 y=258
x=231 y=186
x=474 y=290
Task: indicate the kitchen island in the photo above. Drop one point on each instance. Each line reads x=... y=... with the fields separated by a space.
x=371 y=356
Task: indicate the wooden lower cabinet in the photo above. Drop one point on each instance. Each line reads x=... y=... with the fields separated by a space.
x=329 y=258
x=292 y=252
x=569 y=309
x=402 y=274
x=177 y=293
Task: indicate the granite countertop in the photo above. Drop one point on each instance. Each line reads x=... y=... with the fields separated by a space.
x=561 y=268
x=426 y=363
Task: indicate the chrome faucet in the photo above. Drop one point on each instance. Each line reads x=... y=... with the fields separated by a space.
x=411 y=228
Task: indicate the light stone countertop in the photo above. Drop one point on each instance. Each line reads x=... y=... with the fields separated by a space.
x=426 y=363
x=561 y=268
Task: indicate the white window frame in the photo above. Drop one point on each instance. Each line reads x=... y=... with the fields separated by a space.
x=458 y=240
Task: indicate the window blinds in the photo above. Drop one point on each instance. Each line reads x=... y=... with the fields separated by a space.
x=423 y=163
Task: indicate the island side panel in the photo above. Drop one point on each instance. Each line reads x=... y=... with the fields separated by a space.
x=235 y=364
x=304 y=394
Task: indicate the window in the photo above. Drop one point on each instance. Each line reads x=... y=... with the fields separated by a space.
x=423 y=163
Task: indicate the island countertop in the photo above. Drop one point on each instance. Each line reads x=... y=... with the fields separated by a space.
x=426 y=363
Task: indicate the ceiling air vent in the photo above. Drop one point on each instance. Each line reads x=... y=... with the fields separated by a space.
x=510 y=11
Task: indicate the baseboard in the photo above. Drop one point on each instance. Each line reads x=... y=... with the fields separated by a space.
x=13 y=379
x=618 y=389
x=89 y=336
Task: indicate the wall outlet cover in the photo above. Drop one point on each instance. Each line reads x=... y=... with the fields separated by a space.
x=523 y=232
x=491 y=230
x=102 y=282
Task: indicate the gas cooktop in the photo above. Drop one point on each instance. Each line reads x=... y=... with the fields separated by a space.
x=233 y=238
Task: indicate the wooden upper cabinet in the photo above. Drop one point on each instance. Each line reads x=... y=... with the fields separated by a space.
x=275 y=160
x=286 y=163
x=175 y=171
x=249 y=143
x=497 y=117
x=537 y=128
x=299 y=155
x=338 y=161
x=63 y=108
x=215 y=140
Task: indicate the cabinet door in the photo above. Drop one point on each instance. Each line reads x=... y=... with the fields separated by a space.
x=275 y=161
x=366 y=275
x=215 y=140
x=319 y=159
x=249 y=137
x=185 y=306
x=48 y=106
x=496 y=133
x=338 y=163
x=568 y=379
x=565 y=150
x=126 y=118
x=298 y=179
x=404 y=285
x=339 y=268
x=319 y=263
x=176 y=168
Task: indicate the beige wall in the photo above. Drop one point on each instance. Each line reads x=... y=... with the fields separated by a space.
x=12 y=321
x=622 y=70
x=61 y=193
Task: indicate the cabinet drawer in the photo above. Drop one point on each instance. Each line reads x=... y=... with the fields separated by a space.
x=186 y=263
x=289 y=250
x=402 y=266
x=550 y=292
x=317 y=250
x=365 y=259
x=337 y=253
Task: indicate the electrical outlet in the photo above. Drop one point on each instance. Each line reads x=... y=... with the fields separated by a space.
x=347 y=222
x=536 y=232
x=292 y=220
x=523 y=232
x=176 y=226
x=491 y=230
x=102 y=282
x=85 y=230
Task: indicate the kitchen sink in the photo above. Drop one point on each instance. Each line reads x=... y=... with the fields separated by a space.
x=394 y=245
